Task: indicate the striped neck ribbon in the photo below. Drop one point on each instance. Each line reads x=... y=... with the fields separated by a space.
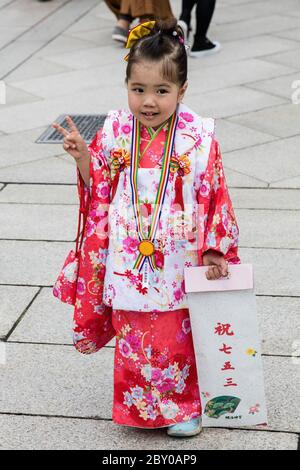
x=146 y=245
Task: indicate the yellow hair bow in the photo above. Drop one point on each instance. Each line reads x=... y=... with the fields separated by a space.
x=138 y=32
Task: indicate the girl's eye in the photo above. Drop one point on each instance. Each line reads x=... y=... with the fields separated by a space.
x=138 y=90
x=162 y=91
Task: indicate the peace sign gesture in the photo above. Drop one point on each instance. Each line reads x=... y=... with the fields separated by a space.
x=73 y=142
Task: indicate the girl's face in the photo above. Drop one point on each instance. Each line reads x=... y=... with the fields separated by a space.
x=152 y=99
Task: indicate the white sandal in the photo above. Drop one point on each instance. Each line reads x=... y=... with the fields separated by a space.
x=186 y=428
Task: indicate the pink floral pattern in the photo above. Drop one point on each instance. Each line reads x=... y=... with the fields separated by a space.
x=155 y=378
x=221 y=233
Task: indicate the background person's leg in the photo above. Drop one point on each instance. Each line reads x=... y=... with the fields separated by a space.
x=202 y=45
x=204 y=12
x=186 y=10
x=124 y=16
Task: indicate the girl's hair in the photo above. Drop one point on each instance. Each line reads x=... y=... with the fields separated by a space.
x=165 y=44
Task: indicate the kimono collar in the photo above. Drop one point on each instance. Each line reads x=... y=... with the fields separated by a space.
x=152 y=131
x=192 y=129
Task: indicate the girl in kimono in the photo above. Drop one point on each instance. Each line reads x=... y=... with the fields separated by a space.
x=148 y=172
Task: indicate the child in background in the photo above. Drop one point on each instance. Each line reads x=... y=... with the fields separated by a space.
x=162 y=162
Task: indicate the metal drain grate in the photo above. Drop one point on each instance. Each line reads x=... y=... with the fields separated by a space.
x=87 y=124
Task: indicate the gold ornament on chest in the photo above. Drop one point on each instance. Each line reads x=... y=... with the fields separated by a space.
x=146 y=248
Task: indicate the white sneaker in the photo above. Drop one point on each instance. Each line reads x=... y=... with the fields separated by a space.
x=120 y=34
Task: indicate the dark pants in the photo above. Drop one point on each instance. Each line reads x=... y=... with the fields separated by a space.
x=204 y=13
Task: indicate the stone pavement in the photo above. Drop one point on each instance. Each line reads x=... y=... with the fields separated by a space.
x=58 y=57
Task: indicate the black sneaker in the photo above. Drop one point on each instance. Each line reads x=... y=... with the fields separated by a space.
x=203 y=48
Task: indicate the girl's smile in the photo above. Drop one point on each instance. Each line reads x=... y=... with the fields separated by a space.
x=150 y=116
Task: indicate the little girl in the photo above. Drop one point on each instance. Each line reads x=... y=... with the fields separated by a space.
x=155 y=165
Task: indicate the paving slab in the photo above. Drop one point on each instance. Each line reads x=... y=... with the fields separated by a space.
x=15 y=54
x=264 y=161
x=91 y=22
x=26 y=13
x=221 y=76
x=280 y=121
x=219 y=104
x=57 y=380
x=293 y=34
x=100 y=36
x=276 y=272
x=14 y=301
x=282 y=377
x=16 y=96
x=263 y=228
x=66 y=383
x=276 y=199
x=232 y=2
x=293 y=183
x=38 y=221
x=278 y=319
x=3 y=3
x=43 y=170
x=42 y=26
x=33 y=68
x=232 y=136
x=32 y=262
x=41 y=433
x=289 y=8
x=94 y=57
x=288 y=58
x=59 y=45
x=40 y=194
x=274 y=23
x=280 y=86
x=47 y=321
x=8 y=34
x=20 y=148
x=240 y=179
x=72 y=82
x=252 y=48
x=239 y=12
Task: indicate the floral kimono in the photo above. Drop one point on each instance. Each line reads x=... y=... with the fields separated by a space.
x=155 y=378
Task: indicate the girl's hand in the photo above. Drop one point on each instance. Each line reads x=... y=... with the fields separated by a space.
x=218 y=265
x=73 y=142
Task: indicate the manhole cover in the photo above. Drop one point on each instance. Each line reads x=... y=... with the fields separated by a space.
x=87 y=124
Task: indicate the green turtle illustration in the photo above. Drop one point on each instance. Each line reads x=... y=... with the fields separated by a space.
x=219 y=406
